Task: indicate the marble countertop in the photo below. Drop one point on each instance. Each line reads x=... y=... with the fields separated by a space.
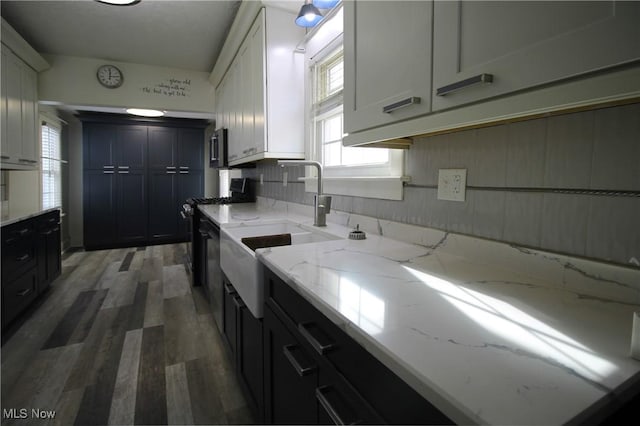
x=488 y=332
x=15 y=219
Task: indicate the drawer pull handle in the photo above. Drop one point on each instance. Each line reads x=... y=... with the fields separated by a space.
x=171 y=172
x=49 y=232
x=22 y=258
x=123 y=172
x=108 y=172
x=4 y=157
x=23 y=231
x=401 y=104
x=319 y=347
x=238 y=302
x=24 y=292
x=229 y=290
x=123 y=167
x=108 y=167
x=471 y=81
x=184 y=172
x=184 y=167
x=322 y=393
x=171 y=167
x=288 y=350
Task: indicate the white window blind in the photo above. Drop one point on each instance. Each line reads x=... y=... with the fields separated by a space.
x=51 y=166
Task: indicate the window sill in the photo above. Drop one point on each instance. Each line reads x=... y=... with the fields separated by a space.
x=385 y=188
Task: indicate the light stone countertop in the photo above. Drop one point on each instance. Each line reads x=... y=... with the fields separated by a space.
x=489 y=333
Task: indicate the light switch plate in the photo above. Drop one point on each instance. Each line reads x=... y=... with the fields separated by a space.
x=452 y=184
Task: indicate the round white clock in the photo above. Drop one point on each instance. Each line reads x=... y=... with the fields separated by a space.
x=110 y=76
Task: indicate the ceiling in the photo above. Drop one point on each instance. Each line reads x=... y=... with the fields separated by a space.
x=178 y=34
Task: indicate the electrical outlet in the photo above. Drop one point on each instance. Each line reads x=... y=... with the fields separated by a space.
x=285 y=175
x=261 y=178
x=452 y=184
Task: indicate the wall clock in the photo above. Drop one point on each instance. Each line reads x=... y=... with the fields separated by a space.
x=110 y=76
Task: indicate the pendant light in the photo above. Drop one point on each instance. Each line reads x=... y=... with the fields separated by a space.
x=309 y=15
x=325 y=4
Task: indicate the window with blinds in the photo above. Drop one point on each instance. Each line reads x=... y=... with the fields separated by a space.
x=51 y=166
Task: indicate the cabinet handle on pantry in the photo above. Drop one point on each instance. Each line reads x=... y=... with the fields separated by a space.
x=123 y=167
x=319 y=347
x=108 y=172
x=287 y=350
x=108 y=167
x=322 y=397
x=184 y=172
x=24 y=292
x=171 y=172
x=471 y=81
x=401 y=104
x=238 y=302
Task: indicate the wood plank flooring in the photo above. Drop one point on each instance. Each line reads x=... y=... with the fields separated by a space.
x=121 y=338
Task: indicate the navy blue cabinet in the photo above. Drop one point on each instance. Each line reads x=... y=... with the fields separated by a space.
x=136 y=178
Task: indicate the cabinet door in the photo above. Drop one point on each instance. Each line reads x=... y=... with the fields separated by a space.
x=250 y=366
x=99 y=146
x=131 y=148
x=99 y=208
x=163 y=209
x=12 y=71
x=131 y=193
x=291 y=376
x=190 y=149
x=3 y=106
x=387 y=62
x=230 y=302
x=163 y=147
x=524 y=44
x=247 y=95
x=18 y=294
x=30 y=151
x=49 y=249
x=233 y=89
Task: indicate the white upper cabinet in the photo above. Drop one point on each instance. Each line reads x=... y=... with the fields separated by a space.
x=260 y=99
x=387 y=59
x=519 y=45
x=20 y=137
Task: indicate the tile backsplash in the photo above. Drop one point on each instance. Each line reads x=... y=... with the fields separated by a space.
x=568 y=183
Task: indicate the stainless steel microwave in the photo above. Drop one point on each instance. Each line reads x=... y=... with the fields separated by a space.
x=218 y=149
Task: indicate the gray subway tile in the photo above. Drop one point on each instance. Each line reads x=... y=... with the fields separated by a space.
x=490 y=153
x=569 y=150
x=522 y=218
x=488 y=213
x=526 y=153
x=564 y=223
x=616 y=151
x=614 y=228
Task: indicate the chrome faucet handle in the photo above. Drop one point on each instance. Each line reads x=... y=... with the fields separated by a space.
x=324 y=201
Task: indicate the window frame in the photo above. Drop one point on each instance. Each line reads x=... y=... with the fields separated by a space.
x=383 y=181
x=56 y=172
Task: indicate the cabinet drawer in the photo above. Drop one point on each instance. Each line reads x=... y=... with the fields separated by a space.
x=48 y=221
x=392 y=398
x=18 y=249
x=17 y=294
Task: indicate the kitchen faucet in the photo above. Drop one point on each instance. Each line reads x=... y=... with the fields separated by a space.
x=322 y=203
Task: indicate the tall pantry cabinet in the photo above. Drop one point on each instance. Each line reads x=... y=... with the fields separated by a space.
x=136 y=178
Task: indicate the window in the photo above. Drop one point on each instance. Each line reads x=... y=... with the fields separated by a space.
x=366 y=172
x=51 y=166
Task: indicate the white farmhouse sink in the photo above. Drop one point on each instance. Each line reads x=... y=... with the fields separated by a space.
x=239 y=262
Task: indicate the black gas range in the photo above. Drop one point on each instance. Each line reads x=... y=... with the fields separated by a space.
x=242 y=191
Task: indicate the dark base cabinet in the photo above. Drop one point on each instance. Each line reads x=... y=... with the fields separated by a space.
x=316 y=374
x=243 y=335
x=31 y=261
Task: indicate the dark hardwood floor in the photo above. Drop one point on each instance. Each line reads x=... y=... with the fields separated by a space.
x=120 y=338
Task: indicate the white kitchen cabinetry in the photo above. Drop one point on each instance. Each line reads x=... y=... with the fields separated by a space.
x=261 y=97
x=19 y=113
x=534 y=57
x=526 y=44
x=387 y=55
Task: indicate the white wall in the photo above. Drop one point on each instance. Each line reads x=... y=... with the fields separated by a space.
x=72 y=81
